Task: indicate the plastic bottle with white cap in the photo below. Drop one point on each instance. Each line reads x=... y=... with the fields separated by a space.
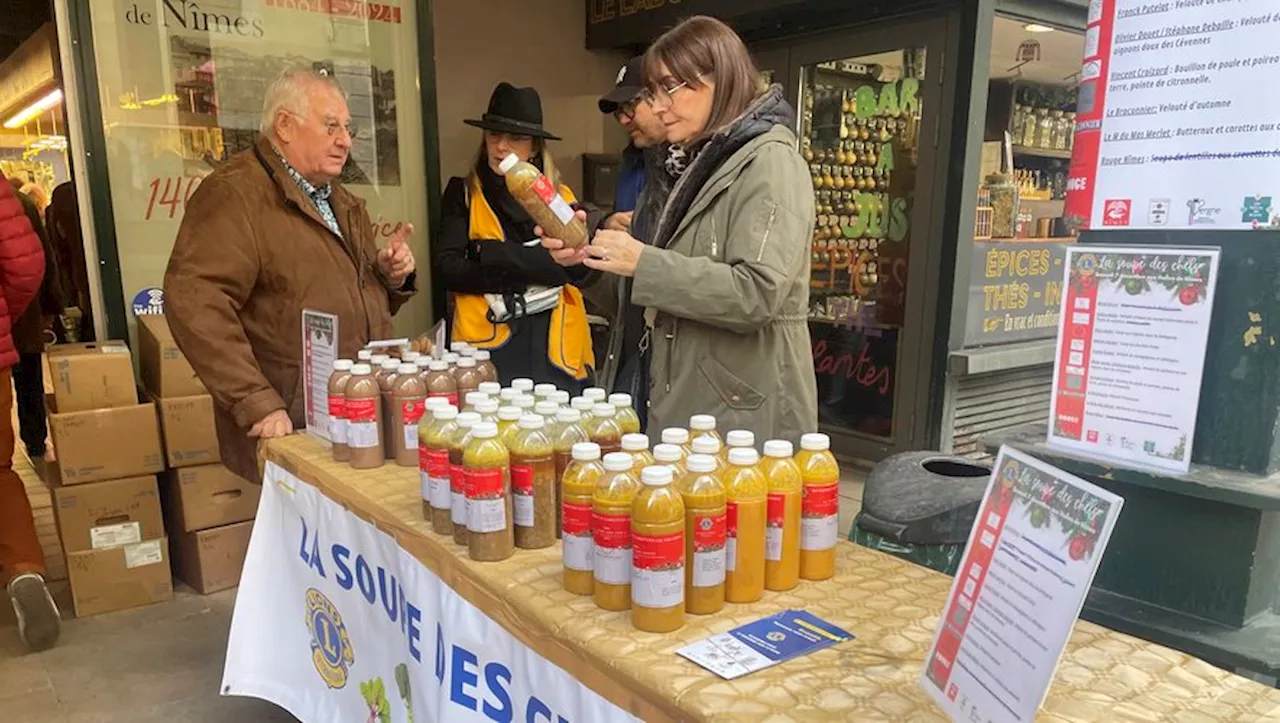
x=709 y=446
x=611 y=532
x=577 y=488
x=704 y=425
x=437 y=492
x=490 y=533
x=637 y=445
x=493 y=389
x=596 y=395
x=706 y=525
x=658 y=554
x=820 y=510
x=627 y=417
x=524 y=386
x=604 y=429
x=542 y=391
x=782 y=536
x=746 y=495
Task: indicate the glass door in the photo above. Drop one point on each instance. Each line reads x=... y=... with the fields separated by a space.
x=868 y=110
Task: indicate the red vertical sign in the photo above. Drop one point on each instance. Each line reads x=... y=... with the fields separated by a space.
x=1079 y=311
x=1090 y=110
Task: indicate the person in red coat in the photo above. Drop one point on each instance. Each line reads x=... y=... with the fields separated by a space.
x=21 y=559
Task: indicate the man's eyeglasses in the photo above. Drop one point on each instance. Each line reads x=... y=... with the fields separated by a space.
x=667 y=87
x=625 y=112
x=331 y=127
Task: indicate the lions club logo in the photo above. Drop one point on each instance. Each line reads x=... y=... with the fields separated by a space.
x=776 y=636
x=1012 y=471
x=330 y=647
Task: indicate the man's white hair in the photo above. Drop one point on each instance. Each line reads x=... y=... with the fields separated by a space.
x=289 y=92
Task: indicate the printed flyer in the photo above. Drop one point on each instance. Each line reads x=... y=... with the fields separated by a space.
x=764 y=643
x=1031 y=557
x=1131 y=348
x=319 y=351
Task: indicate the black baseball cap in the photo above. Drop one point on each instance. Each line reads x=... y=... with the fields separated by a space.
x=629 y=84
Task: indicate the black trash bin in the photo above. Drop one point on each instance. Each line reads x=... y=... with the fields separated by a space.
x=920 y=506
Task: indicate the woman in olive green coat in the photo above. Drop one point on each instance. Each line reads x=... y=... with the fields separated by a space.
x=726 y=281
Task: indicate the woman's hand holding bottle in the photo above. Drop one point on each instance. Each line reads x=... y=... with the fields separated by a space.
x=615 y=252
x=561 y=253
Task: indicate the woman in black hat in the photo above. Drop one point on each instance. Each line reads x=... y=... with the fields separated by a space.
x=506 y=297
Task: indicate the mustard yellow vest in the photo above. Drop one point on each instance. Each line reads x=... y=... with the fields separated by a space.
x=569 y=340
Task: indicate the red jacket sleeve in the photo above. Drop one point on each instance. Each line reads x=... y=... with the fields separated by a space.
x=21 y=255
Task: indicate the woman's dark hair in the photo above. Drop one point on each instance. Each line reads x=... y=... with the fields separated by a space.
x=700 y=48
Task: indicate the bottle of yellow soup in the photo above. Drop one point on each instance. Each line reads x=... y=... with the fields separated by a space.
x=710 y=446
x=578 y=487
x=671 y=456
x=820 y=509
x=657 y=567
x=679 y=437
x=637 y=445
x=611 y=532
x=627 y=417
x=737 y=439
x=782 y=535
x=704 y=425
x=746 y=494
x=704 y=542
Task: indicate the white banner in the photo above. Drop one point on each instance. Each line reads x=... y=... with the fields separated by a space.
x=334 y=622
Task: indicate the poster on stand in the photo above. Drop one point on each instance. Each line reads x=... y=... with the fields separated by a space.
x=1130 y=355
x=1175 y=127
x=1031 y=557
x=319 y=352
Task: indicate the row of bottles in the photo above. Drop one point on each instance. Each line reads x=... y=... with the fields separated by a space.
x=699 y=526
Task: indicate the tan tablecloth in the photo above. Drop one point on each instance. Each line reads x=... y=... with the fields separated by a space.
x=890 y=605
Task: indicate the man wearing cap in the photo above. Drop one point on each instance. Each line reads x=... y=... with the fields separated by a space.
x=642 y=190
x=647 y=132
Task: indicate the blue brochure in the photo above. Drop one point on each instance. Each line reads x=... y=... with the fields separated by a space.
x=764 y=643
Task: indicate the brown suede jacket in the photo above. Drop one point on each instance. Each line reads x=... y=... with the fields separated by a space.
x=251 y=254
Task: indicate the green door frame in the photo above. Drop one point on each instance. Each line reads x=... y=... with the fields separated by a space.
x=115 y=311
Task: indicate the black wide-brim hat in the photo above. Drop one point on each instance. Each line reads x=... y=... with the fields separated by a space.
x=513 y=110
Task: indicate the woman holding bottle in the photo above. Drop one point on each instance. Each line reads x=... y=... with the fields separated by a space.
x=512 y=300
x=726 y=279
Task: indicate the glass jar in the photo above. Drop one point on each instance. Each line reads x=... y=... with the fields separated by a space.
x=1004 y=205
x=1070 y=117
x=1029 y=126
x=1044 y=134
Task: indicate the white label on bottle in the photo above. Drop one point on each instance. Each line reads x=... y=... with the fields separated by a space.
x=486 y=515
x=410 y=436
x=561 y=209
x=459 y=508
x=773 y=544
x=338 y=430
x=363 y=435
x=657 y=588
x=523 y=507
x=731 y=553
x=578 y=552
x=424 y=485
x=818 y=533
x=441 y=495
x=613 y=565
x=142 y=554
x=708 y=568
x=125 y=533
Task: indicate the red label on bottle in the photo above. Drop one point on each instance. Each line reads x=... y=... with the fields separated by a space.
x=731 y=515
x=611 y=531
x=658 y=552
x=337 y=406
x=576 y=519
x=522 y=480
x=361 y=411
x=411 y=410
x=485 y=484
x=453 y=398
x=821 y=500
x=457 y=479
x=777 y=509
x=543 y=188
x=437 y=462
x=424 y=464
x=709 y=532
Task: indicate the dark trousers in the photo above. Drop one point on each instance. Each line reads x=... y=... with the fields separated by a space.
x=28 y=384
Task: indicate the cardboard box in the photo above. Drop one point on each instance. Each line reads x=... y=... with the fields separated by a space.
x=108 y=514
x=211 y=560
x=198 y=498
x=106 y=443
x=190 y=437
x=92 y=376
x=104 y=581
x=164 y=370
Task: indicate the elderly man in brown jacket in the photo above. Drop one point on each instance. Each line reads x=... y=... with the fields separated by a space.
x=266 y=235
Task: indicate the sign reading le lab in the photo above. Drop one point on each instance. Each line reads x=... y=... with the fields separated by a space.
x=1176 y=126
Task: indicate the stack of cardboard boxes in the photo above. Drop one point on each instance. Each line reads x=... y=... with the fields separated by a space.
x=106 y=500
x=209 y=509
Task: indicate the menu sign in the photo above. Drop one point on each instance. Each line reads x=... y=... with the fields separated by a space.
x=319 y=351
x=1031 y=557
x=1130 y=356
x=1014 y=292
x=1176 y=127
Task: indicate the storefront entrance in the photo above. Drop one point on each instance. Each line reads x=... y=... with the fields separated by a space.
x=868 y=105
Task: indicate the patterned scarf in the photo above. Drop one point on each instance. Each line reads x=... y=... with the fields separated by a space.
x=679 y=158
